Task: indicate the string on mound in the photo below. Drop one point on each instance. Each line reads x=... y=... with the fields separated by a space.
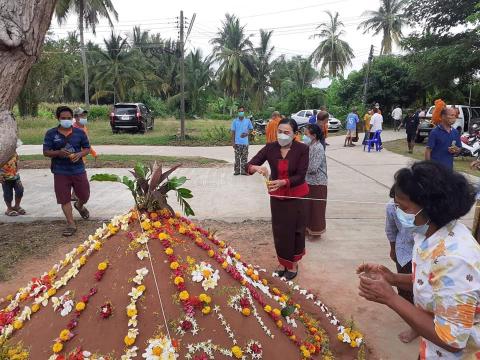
x=155 y=279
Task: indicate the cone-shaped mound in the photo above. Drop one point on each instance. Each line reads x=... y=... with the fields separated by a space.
x=159 y=287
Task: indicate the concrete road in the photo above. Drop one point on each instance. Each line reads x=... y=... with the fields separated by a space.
x=358 y=190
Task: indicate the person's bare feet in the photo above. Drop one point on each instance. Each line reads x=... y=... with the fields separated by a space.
x=408 y=336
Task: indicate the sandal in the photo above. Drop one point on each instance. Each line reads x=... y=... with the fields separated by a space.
x=20 y=211
x=290 y=275
x=82 y=211
x=281 y=273
x=69 y=231
x=11 y=213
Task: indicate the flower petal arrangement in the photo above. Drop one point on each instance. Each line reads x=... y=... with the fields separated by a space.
x=153 y=285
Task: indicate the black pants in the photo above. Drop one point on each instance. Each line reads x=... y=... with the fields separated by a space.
x=406 y=269
x=241 y=158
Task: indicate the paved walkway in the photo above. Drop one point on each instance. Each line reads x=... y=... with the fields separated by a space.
x=354 y=235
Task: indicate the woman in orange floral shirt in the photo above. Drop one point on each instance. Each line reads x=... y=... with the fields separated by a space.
x=446 y=264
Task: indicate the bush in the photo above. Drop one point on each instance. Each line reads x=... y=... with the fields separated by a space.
x=218 y=135
x=156 y=105
x=215 y=116
x=47 y=110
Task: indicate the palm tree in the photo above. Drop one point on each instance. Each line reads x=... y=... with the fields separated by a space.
x=389 y=19
x=262 y=60
x=118 y=69
x=334 y=53
x=198 y=77
x=89 y=13
x=232 y=50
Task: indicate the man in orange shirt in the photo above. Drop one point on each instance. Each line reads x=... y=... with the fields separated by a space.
x=272 y=126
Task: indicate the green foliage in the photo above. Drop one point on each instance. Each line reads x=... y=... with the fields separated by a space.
x=310 y=98
x=156 y=105
x=219 y=135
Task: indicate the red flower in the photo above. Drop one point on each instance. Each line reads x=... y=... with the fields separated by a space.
x=186 y=325
x=256 y=349
x=201 y=357
x=195 y=302
x=72 y=324
x=99 y=275
x=244 y=303
x=106 y=310
x=85 y=298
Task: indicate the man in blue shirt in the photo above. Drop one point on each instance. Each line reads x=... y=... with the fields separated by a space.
x=67 y=146
x=313 y=119
x=241 y=128
x=351 y=125
x=444 y=141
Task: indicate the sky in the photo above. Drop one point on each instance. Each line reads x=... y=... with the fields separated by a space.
x=292 y=22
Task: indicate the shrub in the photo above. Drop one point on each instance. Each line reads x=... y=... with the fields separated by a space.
x=156 y=105
x=218 y=135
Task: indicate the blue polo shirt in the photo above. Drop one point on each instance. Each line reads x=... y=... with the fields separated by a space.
x=239 y=127
x=352 y=121
x=439 y=141
x=74 y=142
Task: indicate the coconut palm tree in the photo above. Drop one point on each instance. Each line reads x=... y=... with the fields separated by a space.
x=333 y=53
x=262 y=61
x=232 y=50
x=117 y=70
x=198 y=77
x=89 y=13
x=388 y=19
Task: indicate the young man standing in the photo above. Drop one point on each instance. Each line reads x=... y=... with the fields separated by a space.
x=241 y=128
x=397 y=118
x=376 y=122
x=411 y=123
x=351 y=122
x=66 y=146
x=444 y=141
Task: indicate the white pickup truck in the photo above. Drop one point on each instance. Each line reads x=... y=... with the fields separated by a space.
x=463 y=123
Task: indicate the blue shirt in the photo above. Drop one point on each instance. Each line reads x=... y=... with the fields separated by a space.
x=402 y=238
x=439 y=141
x=74 y=142
x=239 y=127
x=352 y=120
x=312 y=119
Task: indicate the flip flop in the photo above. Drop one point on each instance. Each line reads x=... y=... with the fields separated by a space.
x=82 y=211
x=20 y=211
x=69 y=231
x=11 y=213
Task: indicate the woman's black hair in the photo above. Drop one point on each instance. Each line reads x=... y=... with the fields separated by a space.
x=61 y=109
x=392 y=192
x=315 y=130
x=444 y=194
x=290 y=122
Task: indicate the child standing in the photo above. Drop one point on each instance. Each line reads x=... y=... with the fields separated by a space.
x=10 y=179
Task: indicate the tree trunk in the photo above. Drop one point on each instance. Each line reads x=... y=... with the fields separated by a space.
x=23 y=24
x=82 y=50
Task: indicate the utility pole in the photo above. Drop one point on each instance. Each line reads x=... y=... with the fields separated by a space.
x=182 y=78
x=365 y=81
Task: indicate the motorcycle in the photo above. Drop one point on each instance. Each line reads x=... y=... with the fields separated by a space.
x=259 y=126
x=471 y=142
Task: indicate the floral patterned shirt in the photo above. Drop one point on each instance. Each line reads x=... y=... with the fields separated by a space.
x=446 y=269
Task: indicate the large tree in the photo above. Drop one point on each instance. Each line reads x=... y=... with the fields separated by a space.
x=89 y=13
x=388 y=20
x=333 y=53
x=262 y=68
x=232 y=50
x=23 y=25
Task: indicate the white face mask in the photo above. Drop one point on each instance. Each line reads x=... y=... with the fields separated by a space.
x=284 y=139
x=83 y=121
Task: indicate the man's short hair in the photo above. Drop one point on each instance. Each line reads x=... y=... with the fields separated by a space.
x=322 y=115
x=61 y=109
x=241 y=107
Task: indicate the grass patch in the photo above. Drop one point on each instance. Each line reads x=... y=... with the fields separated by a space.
x=400 y=147
x=166 y=132
x=124 y=161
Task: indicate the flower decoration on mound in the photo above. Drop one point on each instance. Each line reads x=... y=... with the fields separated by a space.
x=205 y=274
x=182 y=264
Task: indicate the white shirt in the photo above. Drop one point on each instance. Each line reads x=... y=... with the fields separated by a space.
x=397 y=113
x=376 y=122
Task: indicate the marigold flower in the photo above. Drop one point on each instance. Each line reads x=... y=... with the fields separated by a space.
x=279 y=323
x=157 y=351
x=169 y=251
x=163 y=236
x=353 y=343
x=224 y=265
x=35 y=308
x=174 y=265
x=83 y=260
x=146 y=225
x=51 y=292
x=128 y=341
x=211 y=253
x=17 y=324
x=57 y=347
x=182 y=230
x=98 y=245
x=306 y=354
x=246 y=311
x=237 y=352
x=264 y=282
x=80 y=249
x=157 y=224
x=277 y=312
x=249 y=271
x=178 y=280
x=80 y=306
x=9 y=297
x=267 y=308
x=65 y=335
x=23 y=296
x=221 y=244
x=131 y=312
x=237 y=256
x=102 y=266
x=153 y=215
x=184 y=295
x=141 y=288
x=206 y=310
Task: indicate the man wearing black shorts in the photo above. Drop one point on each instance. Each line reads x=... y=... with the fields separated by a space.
x=411 y=122
x=66 y=146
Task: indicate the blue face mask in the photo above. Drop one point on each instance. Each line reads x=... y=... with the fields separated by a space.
x=241 y=114
x=408 y=221
x=66 y=123
x=307 y=140
x=82 y=121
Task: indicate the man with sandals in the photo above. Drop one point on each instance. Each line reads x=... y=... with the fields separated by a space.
x=66 y=146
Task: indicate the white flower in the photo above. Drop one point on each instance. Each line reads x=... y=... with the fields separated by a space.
x=142 y=239
x=197 y=276
x=67 y=308
x=133 y=333
x=135 y=293
x=209 y=283
x=309 y=296
x=168 y=351
x=142 y=254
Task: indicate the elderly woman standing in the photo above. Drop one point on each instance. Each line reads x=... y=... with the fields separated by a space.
x=430 y=198
x=317 y=181
x=288 y=162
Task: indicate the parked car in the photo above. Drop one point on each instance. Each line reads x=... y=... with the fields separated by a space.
x=131 y=116
x=302 y=116
x=465 y=119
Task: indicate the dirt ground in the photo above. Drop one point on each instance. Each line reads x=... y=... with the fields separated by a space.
x=28 y=250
